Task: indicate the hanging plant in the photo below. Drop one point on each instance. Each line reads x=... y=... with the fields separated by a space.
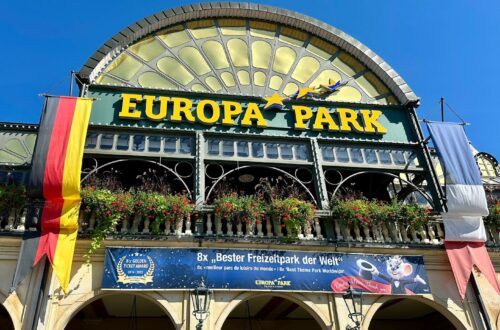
x=251 y=210
x=294 y=213
x=353 y=211
x=170 y=209
x=227 y=206
x=414 y=215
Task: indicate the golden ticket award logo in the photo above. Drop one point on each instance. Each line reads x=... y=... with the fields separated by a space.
x=135 y=268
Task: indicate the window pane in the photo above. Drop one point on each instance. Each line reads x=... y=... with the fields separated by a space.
x=286 y=151
x=370 y=156
x=385 y=157
x=170 y=145
x=193 y=58
x=272 y=150
x=122 y=142
x=106 y=141
x=213 y=147
x=342 y=155
x=185 y=145
x=327 y=153
x=242 y=148
x=91 y=140
x=399 y=157
x=154 y=143
x=228 y=148
x=356 y=155
x=138 y=144
x=257 y=150
x=301 y=152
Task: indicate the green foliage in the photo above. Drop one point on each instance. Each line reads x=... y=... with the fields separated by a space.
x=366 y=213
x=109 y=208
x=248 y=208
x=12 y=196
x=494 y=216
x=294 y=213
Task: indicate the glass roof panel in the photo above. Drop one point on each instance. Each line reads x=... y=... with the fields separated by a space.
x=198 y=88
x=348 y=64
x=243 y=77
x=232 y=27
x=283 y=60
x=174 y=36
x=238 y=51
x=321 y=48
x=346 y=94
x=154 y=80
x=147 y=49
x=172 y=68
x=306 y=67
x=290 y=89
x=213 y=83
x=215 y=53
x=125 y=67
x=324 y=77
x=292 y=36
x=262 y=29
x=261 y=54
x=275 y=82
x=259 y=78
x=193 y=58
x=107 y=80
x=228 y=79
x=203 y=28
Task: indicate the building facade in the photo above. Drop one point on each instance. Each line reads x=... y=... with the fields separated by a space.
x=215 y=98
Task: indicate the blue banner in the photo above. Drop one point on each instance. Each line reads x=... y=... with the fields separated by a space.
x=264 y=270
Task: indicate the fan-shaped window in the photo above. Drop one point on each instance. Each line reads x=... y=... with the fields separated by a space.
x=283 y=60
x=175 y=70
x=486 y=166
x=215 y=53
x=154 y=80
x=238 y=51
x=306 y=67
x=261 y=54
x=147 y=49
x=193 y=58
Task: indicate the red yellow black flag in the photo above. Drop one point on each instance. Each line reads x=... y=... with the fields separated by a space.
x=54 y=186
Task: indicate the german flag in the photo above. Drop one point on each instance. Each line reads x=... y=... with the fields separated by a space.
x=54 y=186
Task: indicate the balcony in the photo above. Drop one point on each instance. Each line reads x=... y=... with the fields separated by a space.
x=206 y=225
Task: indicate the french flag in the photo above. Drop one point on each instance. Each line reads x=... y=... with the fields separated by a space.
x=466 y=205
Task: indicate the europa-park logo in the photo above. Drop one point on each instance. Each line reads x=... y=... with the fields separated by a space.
x=177 y=109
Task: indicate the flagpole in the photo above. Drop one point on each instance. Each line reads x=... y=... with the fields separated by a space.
x=442 y=109
x=41 y=294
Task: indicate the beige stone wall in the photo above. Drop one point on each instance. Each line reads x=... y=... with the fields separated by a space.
x=328 y=310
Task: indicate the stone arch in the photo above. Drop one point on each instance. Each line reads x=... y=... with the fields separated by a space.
x=297 y=298
x=13 y=306
x=433 y=304
x=152 y=296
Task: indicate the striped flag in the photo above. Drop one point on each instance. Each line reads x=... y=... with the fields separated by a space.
x=54 y=187
x=466 y=202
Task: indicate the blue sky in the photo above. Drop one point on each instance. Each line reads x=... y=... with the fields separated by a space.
x=441 y=48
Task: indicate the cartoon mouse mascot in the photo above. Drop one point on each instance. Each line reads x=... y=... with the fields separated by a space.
x=397 y=269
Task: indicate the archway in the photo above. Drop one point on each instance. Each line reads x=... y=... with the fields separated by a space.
x=121 y=311
x=408 y=314
x=266 y=312
x=5 y=320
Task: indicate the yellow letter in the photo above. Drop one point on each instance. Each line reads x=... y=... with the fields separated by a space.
x=231 y=110
x=253 y=113
x=200 y=112
x=182 y=105
x=346 y=117
x=302 y=114
x=128 y=110
x=149 y=108
x=322 y=118
x=370 y=120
